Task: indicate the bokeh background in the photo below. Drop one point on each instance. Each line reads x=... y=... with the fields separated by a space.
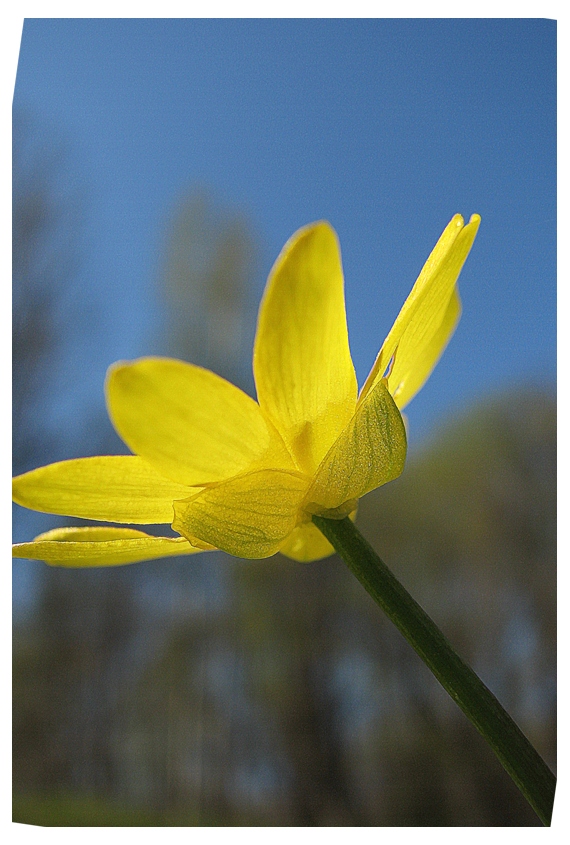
x=159 y=167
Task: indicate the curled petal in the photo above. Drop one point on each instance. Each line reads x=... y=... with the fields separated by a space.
x=113 y=488
x=405 y=383
x=370 y=452
x=248 y=516
x=190 y=424
x=428 y=316
x=82 y=547
x=303 y=370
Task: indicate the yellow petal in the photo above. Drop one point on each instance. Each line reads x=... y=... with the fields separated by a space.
x=114 y=488
x=189 y=423
x=370 y=452
x=306 y=543
x=426 y=321
x=100 y=547
x=248 y=516
x=404 y=384
x=303 y=370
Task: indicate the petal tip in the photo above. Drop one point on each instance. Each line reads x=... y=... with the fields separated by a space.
x=114 y=370
x=120 y=375
x=319 y=227
x=116 y=366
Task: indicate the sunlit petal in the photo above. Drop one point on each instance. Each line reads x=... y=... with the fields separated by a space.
x=418 y=326
x=404 y=384
x=370 y=451
x=303 y=370
x=189 y=423
x=81 y=547
x=248 y=516
x=115 y=488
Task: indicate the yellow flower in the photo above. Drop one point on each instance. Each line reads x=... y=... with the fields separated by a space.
x=243 y=476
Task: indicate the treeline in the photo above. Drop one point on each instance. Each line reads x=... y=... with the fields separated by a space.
x=223 y=692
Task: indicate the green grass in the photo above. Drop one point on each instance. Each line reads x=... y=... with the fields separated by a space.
x=78 y=811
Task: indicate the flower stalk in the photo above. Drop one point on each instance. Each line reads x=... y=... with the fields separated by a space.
x=525 y=766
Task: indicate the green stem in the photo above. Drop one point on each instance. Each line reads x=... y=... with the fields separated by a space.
x=519 y=758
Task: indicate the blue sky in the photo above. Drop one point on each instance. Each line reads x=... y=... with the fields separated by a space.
x=384 y=127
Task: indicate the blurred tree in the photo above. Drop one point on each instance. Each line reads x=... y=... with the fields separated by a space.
x=207 y=267
x=67 y=683
x=297 y=703
x=65 y=643
x=470 y=530
x=294 y=626
x=46 y=216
